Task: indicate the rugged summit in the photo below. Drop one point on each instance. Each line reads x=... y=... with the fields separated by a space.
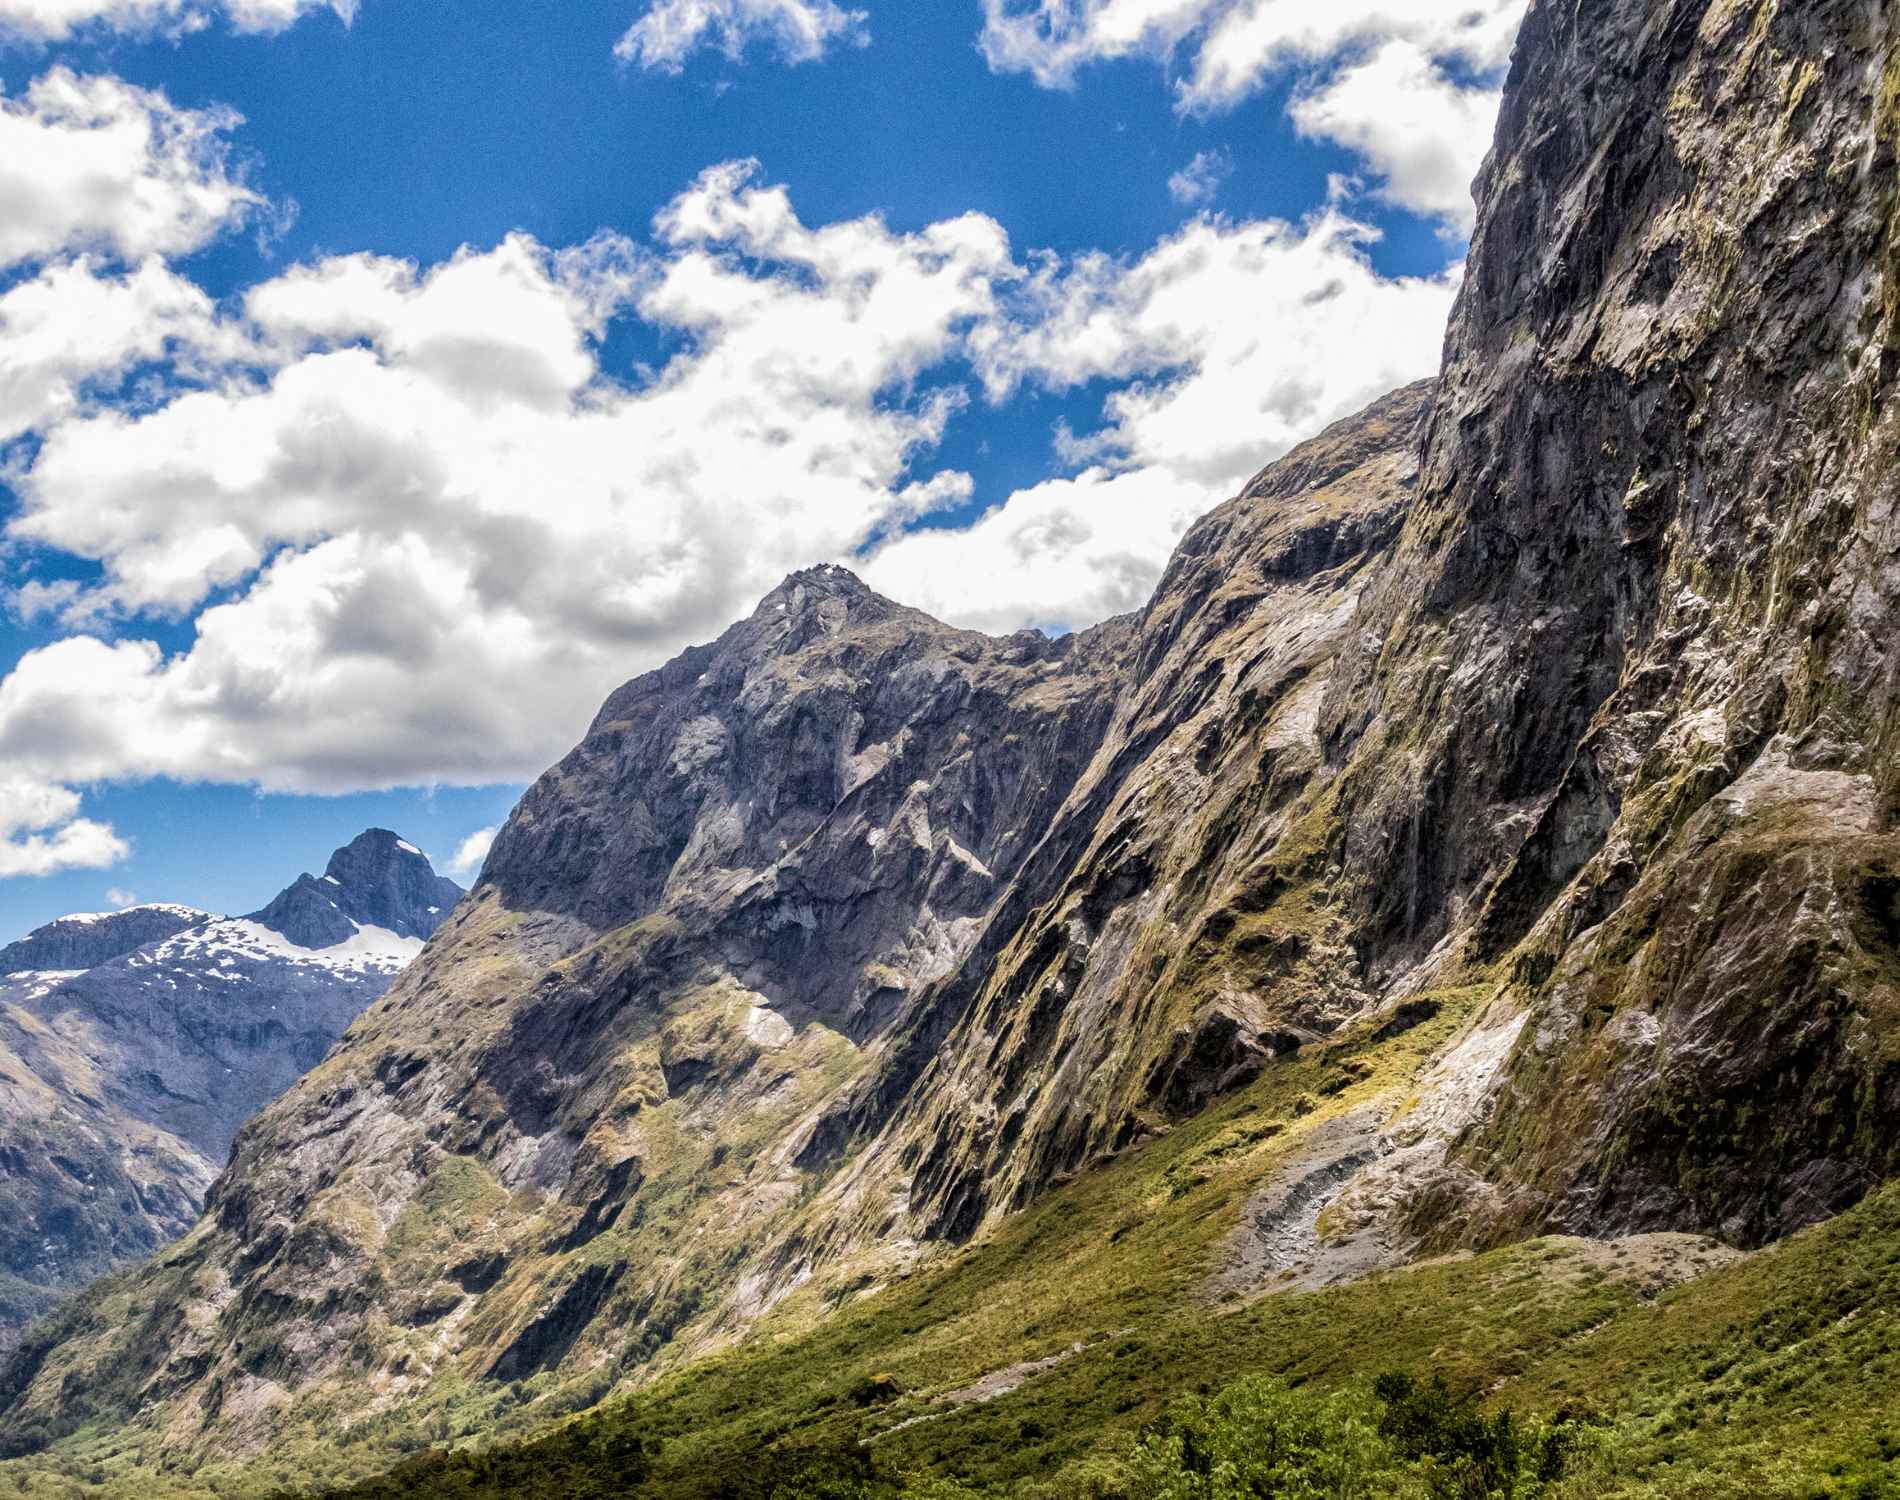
x=1568 y=679
x=125 y=1074
x=377 y=880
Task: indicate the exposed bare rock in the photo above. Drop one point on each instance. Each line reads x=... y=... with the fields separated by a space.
x=1642 y=626
x=1278 y=1245
x=1175 y=932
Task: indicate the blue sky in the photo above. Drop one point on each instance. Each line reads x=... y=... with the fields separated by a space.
x=376 y=396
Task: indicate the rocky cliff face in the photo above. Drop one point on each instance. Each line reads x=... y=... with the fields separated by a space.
x=1174 y=935
x=846 y=934
x=125 y=1076
x=1628 y=727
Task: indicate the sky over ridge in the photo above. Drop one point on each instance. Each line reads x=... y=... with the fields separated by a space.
x=379 y=389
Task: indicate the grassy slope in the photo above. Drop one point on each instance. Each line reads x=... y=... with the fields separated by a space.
x=1776 y=1376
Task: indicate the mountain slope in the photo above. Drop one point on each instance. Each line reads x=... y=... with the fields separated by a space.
x=1174 y=940
x=681 y=940
x=585 y=1131
x=1566 y=684
x=124 y=1078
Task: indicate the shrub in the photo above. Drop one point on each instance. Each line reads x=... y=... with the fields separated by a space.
x=1465 y=1454
x=1403 y=1439
x=1256 y=1440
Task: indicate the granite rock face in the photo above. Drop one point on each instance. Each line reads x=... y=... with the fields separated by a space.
x=125 y=1075
x=1570 y=676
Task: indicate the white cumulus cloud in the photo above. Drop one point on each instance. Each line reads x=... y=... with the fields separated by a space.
x=75 y=326
x=1420 y=131
x=441 y=535
x=1231 y=46
x=670 y=31
x=41 y=832
x=1204 y=400
x=1426 y=140
x=419 y=534
x=97 y=164
x=471 y=853
x=61 y=20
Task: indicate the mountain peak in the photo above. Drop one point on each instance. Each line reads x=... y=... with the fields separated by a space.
x=826 y=577
x=810 y=588
x=372 y=853
x=378 y=879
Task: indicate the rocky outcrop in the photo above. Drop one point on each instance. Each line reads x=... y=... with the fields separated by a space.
x=124 y=1080
x=1568 y=677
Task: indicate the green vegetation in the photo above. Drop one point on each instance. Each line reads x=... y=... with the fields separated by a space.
x=1773 y=1376
x=1259 y=1439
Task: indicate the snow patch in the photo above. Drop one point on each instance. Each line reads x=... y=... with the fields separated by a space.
x=42 y=981
x=367 y=948
x=89 y=918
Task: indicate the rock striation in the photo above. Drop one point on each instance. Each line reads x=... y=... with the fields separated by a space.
x=1568 y=676
x=1625 y=725
x=134 y=1044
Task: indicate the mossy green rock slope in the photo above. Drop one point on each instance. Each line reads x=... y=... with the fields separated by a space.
x=1564 y=689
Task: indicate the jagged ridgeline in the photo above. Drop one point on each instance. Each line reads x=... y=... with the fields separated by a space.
x=1486 y=829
